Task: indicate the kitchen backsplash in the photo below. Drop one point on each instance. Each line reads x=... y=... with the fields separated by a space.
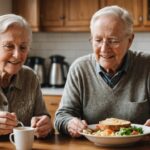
x=71 y=45
x=74 y=45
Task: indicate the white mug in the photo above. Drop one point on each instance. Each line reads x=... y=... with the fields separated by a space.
x=23 y=138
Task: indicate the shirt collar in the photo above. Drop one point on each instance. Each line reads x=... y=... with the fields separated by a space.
x=124 y=66
x=16 y=82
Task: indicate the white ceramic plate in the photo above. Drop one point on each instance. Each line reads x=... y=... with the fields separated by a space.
x=116 y=140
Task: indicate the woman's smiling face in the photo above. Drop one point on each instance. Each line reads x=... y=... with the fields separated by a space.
x=14 y=48
x=109 y=42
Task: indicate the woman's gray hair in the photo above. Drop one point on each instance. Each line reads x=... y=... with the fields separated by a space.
x=118 y=12
x=9 y=20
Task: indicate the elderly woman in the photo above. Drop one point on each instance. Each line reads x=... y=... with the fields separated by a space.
x=111 y=82
x=20 y=94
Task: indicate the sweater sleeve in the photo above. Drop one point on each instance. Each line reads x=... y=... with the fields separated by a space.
x=70 y=105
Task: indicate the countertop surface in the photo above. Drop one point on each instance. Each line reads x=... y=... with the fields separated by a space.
x=52 y=91
x=61 y=142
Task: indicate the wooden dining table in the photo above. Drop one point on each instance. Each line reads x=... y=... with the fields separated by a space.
x=61 y=142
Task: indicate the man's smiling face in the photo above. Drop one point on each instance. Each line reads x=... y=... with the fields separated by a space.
x=110 y=42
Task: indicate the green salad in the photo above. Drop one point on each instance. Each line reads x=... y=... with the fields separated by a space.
x=130 y=131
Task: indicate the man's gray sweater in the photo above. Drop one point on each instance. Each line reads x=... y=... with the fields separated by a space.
x=87 y=96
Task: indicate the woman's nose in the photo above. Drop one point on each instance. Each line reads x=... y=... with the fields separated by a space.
x=16 y=53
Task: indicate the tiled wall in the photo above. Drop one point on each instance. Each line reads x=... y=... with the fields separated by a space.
x=70 y=45
x=73 y=45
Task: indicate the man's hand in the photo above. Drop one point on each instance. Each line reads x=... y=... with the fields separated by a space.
x=147 y=123
x=75 y=126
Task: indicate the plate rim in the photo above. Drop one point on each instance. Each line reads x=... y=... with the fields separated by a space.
x=115 y=137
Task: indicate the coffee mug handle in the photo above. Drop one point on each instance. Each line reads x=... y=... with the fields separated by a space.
x=10 y=138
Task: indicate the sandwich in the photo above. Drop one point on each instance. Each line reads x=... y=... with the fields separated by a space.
x=113 y=124
x=114 y=127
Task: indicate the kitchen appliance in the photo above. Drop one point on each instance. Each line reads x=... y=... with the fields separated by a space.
x=39 y=69
x=30 y=61
x=37 y=64
x=58 y=71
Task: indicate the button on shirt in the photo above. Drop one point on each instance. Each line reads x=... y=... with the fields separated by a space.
x=113 y=80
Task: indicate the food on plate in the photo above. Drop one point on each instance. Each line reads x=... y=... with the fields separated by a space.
x=113 y=124
x=130 y=131
x=114 y=127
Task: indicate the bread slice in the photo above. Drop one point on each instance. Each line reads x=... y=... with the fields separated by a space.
x=113 y=124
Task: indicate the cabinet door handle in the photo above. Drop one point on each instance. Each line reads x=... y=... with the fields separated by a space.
x=53 y=103
x=141 y=18
x=62 y=17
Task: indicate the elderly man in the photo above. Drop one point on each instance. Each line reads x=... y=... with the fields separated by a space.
x=111 y=82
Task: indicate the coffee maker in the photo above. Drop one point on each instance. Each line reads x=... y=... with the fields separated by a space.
x=37 y=64
x=58 y=71
x=39 y=69
x=30 y=61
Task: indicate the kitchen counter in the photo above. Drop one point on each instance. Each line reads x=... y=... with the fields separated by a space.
x=52 y=91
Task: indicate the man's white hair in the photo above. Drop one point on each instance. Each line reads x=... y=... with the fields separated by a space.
x=117 y=11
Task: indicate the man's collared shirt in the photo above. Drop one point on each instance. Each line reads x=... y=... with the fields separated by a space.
x=113 y=80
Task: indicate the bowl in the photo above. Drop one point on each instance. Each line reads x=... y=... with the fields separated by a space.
x=116 y=141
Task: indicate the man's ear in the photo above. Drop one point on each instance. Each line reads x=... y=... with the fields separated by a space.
x=130 y=40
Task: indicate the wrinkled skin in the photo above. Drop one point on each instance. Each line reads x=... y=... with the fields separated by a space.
x=75 y=126
x=110 y=27
x=110 y=58
x=14 y=48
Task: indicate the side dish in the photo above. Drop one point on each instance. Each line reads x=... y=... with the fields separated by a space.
x=114 y=127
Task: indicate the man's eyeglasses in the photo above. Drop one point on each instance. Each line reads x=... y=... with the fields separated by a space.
x=111 y=42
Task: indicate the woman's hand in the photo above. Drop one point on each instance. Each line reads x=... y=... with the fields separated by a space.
x=147 y=123
x=7 y=122
x=75 y=126
x=42 y=125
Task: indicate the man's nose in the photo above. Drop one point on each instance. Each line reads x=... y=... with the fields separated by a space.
x=104 y=46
